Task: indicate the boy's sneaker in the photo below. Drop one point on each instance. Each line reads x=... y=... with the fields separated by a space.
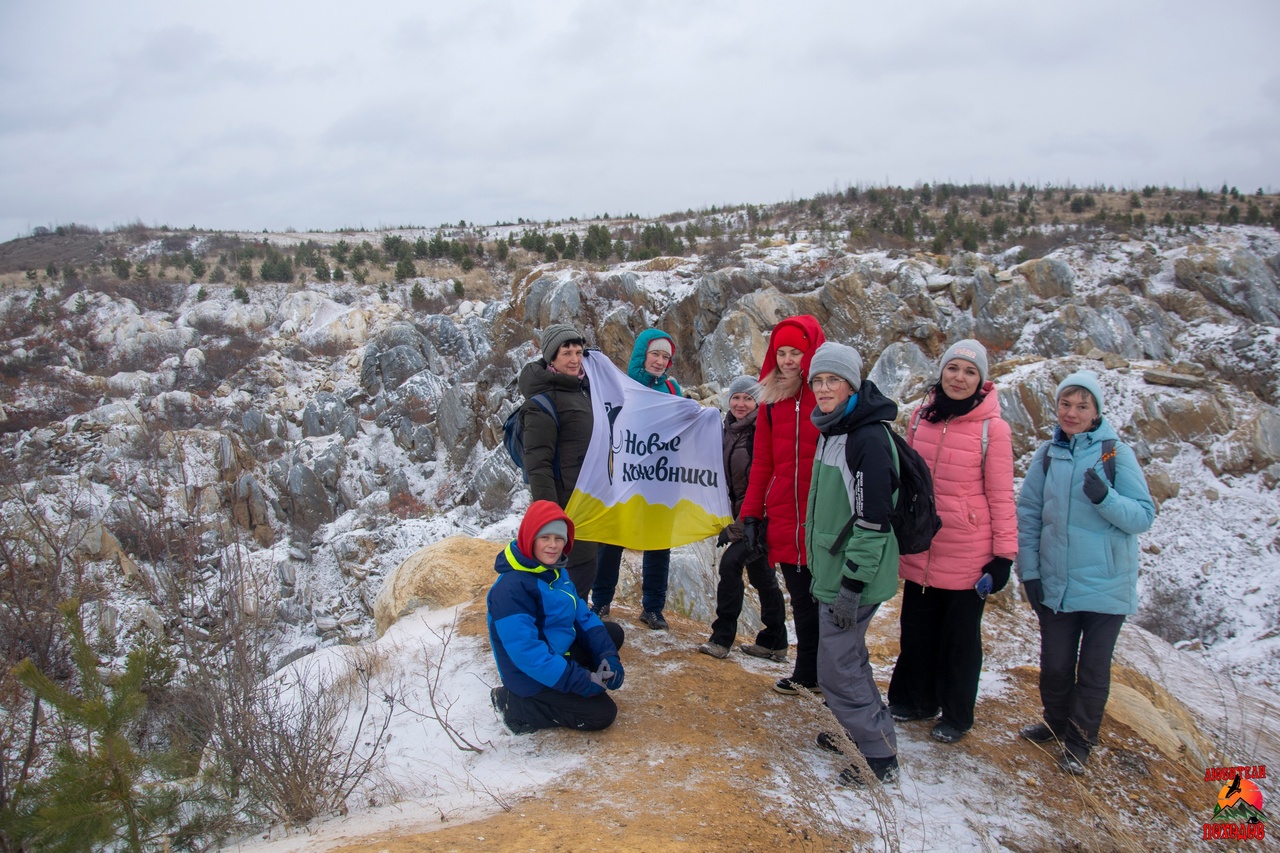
x=714 y=649
x=601 y=610
x=885 y=769
x=905 y=714
x=792 y=688
x=758 y=651
x=654 y=620
x=946 y=733
x=1038 y=733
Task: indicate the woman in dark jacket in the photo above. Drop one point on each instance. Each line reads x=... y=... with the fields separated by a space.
x=554 y=446
x=739 y=441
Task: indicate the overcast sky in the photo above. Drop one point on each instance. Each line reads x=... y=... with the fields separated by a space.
x=251 y=115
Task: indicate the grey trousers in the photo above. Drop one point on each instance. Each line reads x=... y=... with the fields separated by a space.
x=849 y=685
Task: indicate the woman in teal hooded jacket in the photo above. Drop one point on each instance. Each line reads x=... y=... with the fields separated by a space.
x=1082 y=505
x=650 y=358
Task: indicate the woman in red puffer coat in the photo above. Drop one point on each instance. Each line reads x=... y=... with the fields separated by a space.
x=945 y=588
x=778 y=491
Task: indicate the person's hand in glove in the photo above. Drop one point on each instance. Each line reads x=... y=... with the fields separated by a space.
x=1095 y=488
x=723 y=538
x=753 y=532
x=1034 y=594
x=998 y=568
x=612 y=665
x=845 y=609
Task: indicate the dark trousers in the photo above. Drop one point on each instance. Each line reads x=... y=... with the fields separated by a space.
x=730 y=592
x=1075 y=673
x=582 y=566
x=549 y=708
x=941 y=655
x=804 y=612
x=654 y=568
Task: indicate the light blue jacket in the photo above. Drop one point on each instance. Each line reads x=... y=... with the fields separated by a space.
x=1085 y=556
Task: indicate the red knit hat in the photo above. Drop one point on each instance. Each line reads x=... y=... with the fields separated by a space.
x=790 y=335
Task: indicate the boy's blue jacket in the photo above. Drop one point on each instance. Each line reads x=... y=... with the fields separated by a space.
x=534 y=616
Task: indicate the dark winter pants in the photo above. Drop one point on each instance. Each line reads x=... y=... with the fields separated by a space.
x=849 y=685
x=804 y=611
x=730 y=592
x=941 y=655
x=1075 y=673
x=582 y=566
x=552 y=709
x=654 y=568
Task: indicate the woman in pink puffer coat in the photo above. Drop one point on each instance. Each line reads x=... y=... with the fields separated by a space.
x=945 y=588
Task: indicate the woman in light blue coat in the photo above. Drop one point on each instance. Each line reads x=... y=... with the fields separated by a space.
x=1083 y=503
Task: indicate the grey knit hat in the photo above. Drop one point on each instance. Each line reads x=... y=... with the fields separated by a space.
x=1086 y=379
x=744 y=385
x=557 y=335
x=970 y=351
x=555 y=527
x=839 y=359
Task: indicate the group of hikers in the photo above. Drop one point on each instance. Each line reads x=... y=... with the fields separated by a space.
x=813 y=477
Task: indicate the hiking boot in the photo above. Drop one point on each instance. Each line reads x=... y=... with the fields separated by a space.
x=905 y=714
x=829 y=742
x=759 y=651
x=1038 y=733
x=791 y=688
x=1071 y=763
x=601 y=610
x=654 y=620
x=885 y=769
x=944 y=732
x=714 y=649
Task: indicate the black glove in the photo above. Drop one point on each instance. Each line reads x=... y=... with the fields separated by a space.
x=723 y=538
x=753 y=532
x=1035 y=595
x=1095 y=488
x=998 y=568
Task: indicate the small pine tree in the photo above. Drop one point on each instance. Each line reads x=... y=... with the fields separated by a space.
x=142 y=271
x=384 y=293
x=201 y=295
x=219 y=275
x=457 y=289
x=360 y=274
x=240 y=293
x=198 y=267
x=417 y=295
x=94 y=796
x=405 y=269
x=468 y=263
x=338 y=274
x=244 y=271
x=51 y=270
x=121 y=268
x=82 y=305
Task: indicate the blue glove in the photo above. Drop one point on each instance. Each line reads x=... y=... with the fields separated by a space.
x=845 y=609
x=1095 y=488
x=618 y=673
x=983 y=586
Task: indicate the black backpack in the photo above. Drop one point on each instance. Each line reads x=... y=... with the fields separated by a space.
x=513 y=435
x=915 y=516
x=1108 y=460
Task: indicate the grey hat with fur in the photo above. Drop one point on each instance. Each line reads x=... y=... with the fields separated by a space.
x=556 y=336
x=840 y=359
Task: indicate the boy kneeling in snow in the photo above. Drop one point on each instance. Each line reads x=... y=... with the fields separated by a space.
x=555 y=656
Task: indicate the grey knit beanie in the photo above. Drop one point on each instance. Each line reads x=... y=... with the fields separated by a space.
x=555 y=527
x=839 y=359
x=744 y=385
x=555 y=336
x=1086 y=379
x=970 y=351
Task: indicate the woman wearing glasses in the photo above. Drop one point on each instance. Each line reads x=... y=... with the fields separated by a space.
x=967 y=447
